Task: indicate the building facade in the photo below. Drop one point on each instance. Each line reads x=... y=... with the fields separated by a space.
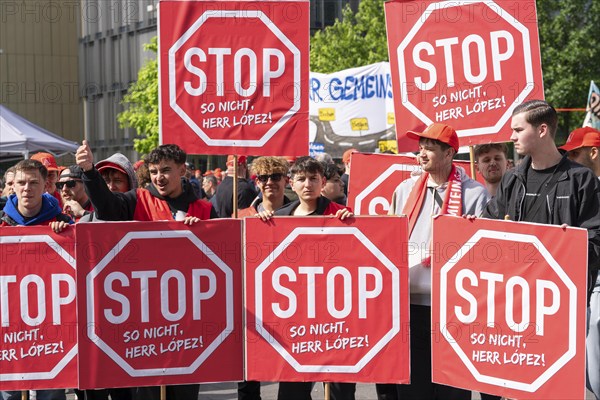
x=39 y=59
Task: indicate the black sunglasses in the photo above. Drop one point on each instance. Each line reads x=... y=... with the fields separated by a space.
x=70 y=184
x=265 y=178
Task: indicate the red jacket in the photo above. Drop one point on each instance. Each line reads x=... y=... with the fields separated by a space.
x=151 y=208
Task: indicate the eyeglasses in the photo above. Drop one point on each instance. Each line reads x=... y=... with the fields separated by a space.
x=70 y=184
x=273 y=177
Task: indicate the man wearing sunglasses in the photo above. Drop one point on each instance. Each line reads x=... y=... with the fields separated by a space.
x=75 y=200
x=271 y=179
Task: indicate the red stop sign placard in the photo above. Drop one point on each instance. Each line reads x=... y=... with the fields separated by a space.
x=326 y=300
x=373 y=179
x=467 y=64
x=510 y=299
x=163 y=303
x=38 y=325
x=234 y=76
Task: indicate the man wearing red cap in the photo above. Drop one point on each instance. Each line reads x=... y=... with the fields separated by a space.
x=49 y=162
x=583 y=147
x=549 y=188
x=442 y=188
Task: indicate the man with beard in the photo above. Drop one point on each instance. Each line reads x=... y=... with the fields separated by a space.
x=492 y=162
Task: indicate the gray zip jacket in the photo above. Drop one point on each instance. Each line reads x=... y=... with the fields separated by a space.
x=474 y=199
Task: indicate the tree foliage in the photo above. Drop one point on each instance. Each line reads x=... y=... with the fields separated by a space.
x=356 y=40
x=570 y=46
x=141 y=101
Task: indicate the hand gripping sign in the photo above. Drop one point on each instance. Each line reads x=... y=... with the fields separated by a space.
x=162 y=303
x=509 y=303
x=327 y=300
x=38 y=323
x=466 y=63
x=234 y=76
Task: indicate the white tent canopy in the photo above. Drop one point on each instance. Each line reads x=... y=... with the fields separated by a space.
x=20 y=137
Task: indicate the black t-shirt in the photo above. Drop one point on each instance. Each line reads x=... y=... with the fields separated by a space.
x=536 y=179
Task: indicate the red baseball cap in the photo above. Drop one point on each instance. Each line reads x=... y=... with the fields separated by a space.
x=102 y=165
x=436 y=131
x=347 y=154
x=582 y=137
x=241 y=160
x=47 y=159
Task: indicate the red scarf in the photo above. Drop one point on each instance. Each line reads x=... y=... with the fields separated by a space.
x=452 y=202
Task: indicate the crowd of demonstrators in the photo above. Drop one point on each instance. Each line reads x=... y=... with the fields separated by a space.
x=223 y=197
x=546 y=187
x=442 y=188
x=583 y=147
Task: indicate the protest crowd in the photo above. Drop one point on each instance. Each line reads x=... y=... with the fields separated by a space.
x=548 y=185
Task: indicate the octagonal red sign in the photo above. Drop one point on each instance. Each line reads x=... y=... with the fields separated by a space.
x=162 y=303
x=373 y=179
x=467 y=64
x=38 y=325
x=509 y=299
x=326 y=300
x=234 y=76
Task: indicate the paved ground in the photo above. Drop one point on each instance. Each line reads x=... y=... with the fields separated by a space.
x=228 y=391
